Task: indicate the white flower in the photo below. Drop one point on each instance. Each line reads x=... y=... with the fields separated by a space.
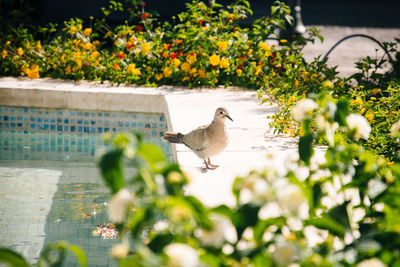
x=395 y=129
x=302 y=109
x=118 y=205
x=254 y=189
x=160 y=226
x=181 y=255
x=360 y=125
x=119 y=251
x=285 y=253
x=221 y=230
x=291 y=199
x=373 y=262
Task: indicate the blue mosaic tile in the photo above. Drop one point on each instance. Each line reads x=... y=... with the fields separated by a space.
x=54 y=125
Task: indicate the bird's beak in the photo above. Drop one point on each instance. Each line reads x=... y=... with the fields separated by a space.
x=229 y=117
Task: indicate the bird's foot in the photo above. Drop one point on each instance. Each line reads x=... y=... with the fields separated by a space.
x=212 y=165
x=209 y=166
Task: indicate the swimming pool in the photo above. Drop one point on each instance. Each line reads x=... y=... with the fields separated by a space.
x=51 y=186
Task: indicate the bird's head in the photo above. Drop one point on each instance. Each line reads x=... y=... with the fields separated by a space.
x=221 y=114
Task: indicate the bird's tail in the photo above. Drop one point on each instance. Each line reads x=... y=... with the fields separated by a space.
x=171 y=137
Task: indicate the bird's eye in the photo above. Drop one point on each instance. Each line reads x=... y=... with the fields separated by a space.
x=221 y=112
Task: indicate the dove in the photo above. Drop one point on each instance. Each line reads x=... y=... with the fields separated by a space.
x=205 y=141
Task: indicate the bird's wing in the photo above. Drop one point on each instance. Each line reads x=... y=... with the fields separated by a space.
x=196 y=139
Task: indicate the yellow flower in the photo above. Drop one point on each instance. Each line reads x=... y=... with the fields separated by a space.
x=373 y=98
x=193 y=71
x=362 y=111
x=4 y=53
x=264 y=46
x=145 y=48
x=185 y=67
x=133 y=70
x=224 y=64
x=39 y=45
x=78 y=63
x=390 y=163
x=191 y=58
x=32 y=72
x=167 y=72
x=107 y=34
x=95 y=43
x=239 y=72
x=258 y=69
x=222 y=45
x=296 y=83
x=8 y=43
x=68 y=70
x=159 y=76
x=176 y=62
x=95 y=54
x=202 y=74
x=20 y=51
x=87 y=46
x=186 y=78
x=357 y=101
x=77 y=54
x=73 y=30
x=375 y=91
x=214 y=60
x=283 y=41
x=87 y=31
x=370 y=117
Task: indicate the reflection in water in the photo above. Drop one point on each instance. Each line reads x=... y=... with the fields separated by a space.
x=78 y=209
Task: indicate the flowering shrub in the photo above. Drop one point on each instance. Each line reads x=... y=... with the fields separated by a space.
x=372 y=93
x=335 y=207
x=205 y=46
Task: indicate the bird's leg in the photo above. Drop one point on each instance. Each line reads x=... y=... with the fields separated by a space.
x=212 y=165
x=209 y=166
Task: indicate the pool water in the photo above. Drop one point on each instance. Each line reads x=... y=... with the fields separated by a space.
x=51 y=188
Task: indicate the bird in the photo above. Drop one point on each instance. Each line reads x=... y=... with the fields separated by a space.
x=205 y=141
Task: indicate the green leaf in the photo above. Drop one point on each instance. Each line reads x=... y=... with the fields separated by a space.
x=305 y=148
x=340 y=214
x=210 y=259
x=158 y=243
x=224 y=210
x=262 y=225
x=153 y=156
x=342 y=111
x=12 y=258
x=329 y=224
x=62 y=247
x=111 y=170
x=245 y=216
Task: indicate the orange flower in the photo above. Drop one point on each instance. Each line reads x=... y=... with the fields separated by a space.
x=116 y=66
x=167 y=72
x=191 y=58
x=133 y=70
x=176 y=62
x=224 y=64
x=202 y=74
x=185 y=67
x=214 y=60
x=222 y=45
x=87 y=31
x=239 y=72
x=145 y=48
x=20 y=51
